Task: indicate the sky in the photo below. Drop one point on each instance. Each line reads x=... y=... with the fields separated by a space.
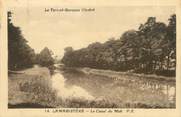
x=57 y=30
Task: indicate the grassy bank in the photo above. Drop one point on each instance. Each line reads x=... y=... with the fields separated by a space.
x=119 y=75
x=31 y=88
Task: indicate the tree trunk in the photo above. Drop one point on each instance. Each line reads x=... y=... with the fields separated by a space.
x=168 y=62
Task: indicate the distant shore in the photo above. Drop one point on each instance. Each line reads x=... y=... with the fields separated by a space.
x=117 y=75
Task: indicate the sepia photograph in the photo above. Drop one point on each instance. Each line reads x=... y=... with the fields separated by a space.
x=92 y=57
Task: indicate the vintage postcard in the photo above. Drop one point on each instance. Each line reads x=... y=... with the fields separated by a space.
x=60 y=58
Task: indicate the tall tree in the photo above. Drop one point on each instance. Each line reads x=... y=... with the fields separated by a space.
x=171 y=40
x=20 y=54
x=153 y=35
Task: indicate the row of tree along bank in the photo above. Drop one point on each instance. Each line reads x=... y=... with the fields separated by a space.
x=20 y=54
x=150 y=49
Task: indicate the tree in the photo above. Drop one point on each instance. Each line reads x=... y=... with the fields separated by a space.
x=45 y=57
x=153 y=37
x=144 y=50
x=171 y=41
x=20 y=54
x=68 y=56
x=131 y=45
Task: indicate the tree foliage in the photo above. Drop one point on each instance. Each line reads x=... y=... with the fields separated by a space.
x=44 y=58
x=150 y=49
x=20 y=54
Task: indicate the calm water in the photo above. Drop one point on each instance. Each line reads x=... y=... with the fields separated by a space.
x=124 y=90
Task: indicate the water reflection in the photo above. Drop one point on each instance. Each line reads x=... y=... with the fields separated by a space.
x=121 y=90
x=58 y=83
